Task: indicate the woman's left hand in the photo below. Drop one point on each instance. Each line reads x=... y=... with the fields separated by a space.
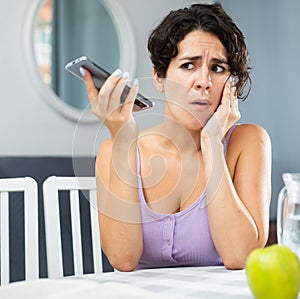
x=225 y=116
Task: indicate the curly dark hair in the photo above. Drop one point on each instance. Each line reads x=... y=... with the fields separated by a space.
x=163 y=40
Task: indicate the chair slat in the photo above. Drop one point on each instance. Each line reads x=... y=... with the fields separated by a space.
x=52 y=230
x=31 y=230
x=4 y=237
x=95 y=232
x=76 y=232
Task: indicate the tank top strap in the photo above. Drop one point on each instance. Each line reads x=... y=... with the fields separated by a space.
x=227 y=137
x=138 y=173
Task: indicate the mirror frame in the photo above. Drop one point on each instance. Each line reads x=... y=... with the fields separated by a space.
x=128 y=54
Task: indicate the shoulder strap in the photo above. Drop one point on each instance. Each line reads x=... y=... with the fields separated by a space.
x=227 y=137
x=138 y=169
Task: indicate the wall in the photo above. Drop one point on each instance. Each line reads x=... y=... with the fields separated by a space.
x=271 y=28
x=29 y=126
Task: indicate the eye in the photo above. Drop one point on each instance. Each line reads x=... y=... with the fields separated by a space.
x=218 y=69
x=187 y=66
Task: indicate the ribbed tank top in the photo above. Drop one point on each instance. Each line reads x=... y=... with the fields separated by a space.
x=179 y=239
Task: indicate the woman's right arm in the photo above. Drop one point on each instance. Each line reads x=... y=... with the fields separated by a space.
x=117 y=192
x=118 y=205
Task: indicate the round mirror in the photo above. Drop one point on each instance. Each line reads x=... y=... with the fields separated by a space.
x=62 y=30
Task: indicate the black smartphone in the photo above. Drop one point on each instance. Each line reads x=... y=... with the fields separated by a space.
x=100 y=75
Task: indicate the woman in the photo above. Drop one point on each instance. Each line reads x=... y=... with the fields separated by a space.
x=195 y=189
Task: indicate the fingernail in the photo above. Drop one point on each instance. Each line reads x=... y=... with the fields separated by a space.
x=126 y=75
x=136 y=82
x=230 y=79
x=117 y=72
x=82 y=72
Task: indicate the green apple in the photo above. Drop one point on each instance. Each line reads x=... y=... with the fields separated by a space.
x=273 y=272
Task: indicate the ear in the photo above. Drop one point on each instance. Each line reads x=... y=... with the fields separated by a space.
x=158 y=82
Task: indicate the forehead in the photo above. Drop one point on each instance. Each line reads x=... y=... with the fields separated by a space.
x=199 y=41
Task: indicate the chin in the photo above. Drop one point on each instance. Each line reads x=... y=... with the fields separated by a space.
x=195 y=124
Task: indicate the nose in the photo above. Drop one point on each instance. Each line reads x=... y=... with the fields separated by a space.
x=202 y=79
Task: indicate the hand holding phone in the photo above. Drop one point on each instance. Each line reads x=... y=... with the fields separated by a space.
x=99 y=76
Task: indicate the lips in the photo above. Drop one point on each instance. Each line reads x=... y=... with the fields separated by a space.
x=204 y=104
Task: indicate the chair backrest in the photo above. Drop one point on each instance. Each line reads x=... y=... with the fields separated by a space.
x=28 y=186
x=51 y=195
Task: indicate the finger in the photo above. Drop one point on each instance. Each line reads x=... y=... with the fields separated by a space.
x=227 y=92
x=127 y=107
x=116 y=94
x=107 y=92
x=89 y=83
x=236 y=109
x=234 y=102
x=232 y=89
x=233 y=94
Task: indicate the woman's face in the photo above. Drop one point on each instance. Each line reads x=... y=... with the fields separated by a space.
x=195 y=79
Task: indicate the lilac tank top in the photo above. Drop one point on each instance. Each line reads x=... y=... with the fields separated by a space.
x=179 y=239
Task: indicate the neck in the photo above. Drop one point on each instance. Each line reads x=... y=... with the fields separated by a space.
x=182 y=138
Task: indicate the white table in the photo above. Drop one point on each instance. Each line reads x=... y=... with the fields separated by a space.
x=167 y=283
x=198 y=282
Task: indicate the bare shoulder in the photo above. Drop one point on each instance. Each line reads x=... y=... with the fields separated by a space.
x=249 y=139
x=249 y=148
x=247 y=134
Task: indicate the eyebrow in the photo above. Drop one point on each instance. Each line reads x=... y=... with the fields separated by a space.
x=215 y=60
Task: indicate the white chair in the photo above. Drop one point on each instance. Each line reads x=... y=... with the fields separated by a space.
x=51 y=188
x=28 y=186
